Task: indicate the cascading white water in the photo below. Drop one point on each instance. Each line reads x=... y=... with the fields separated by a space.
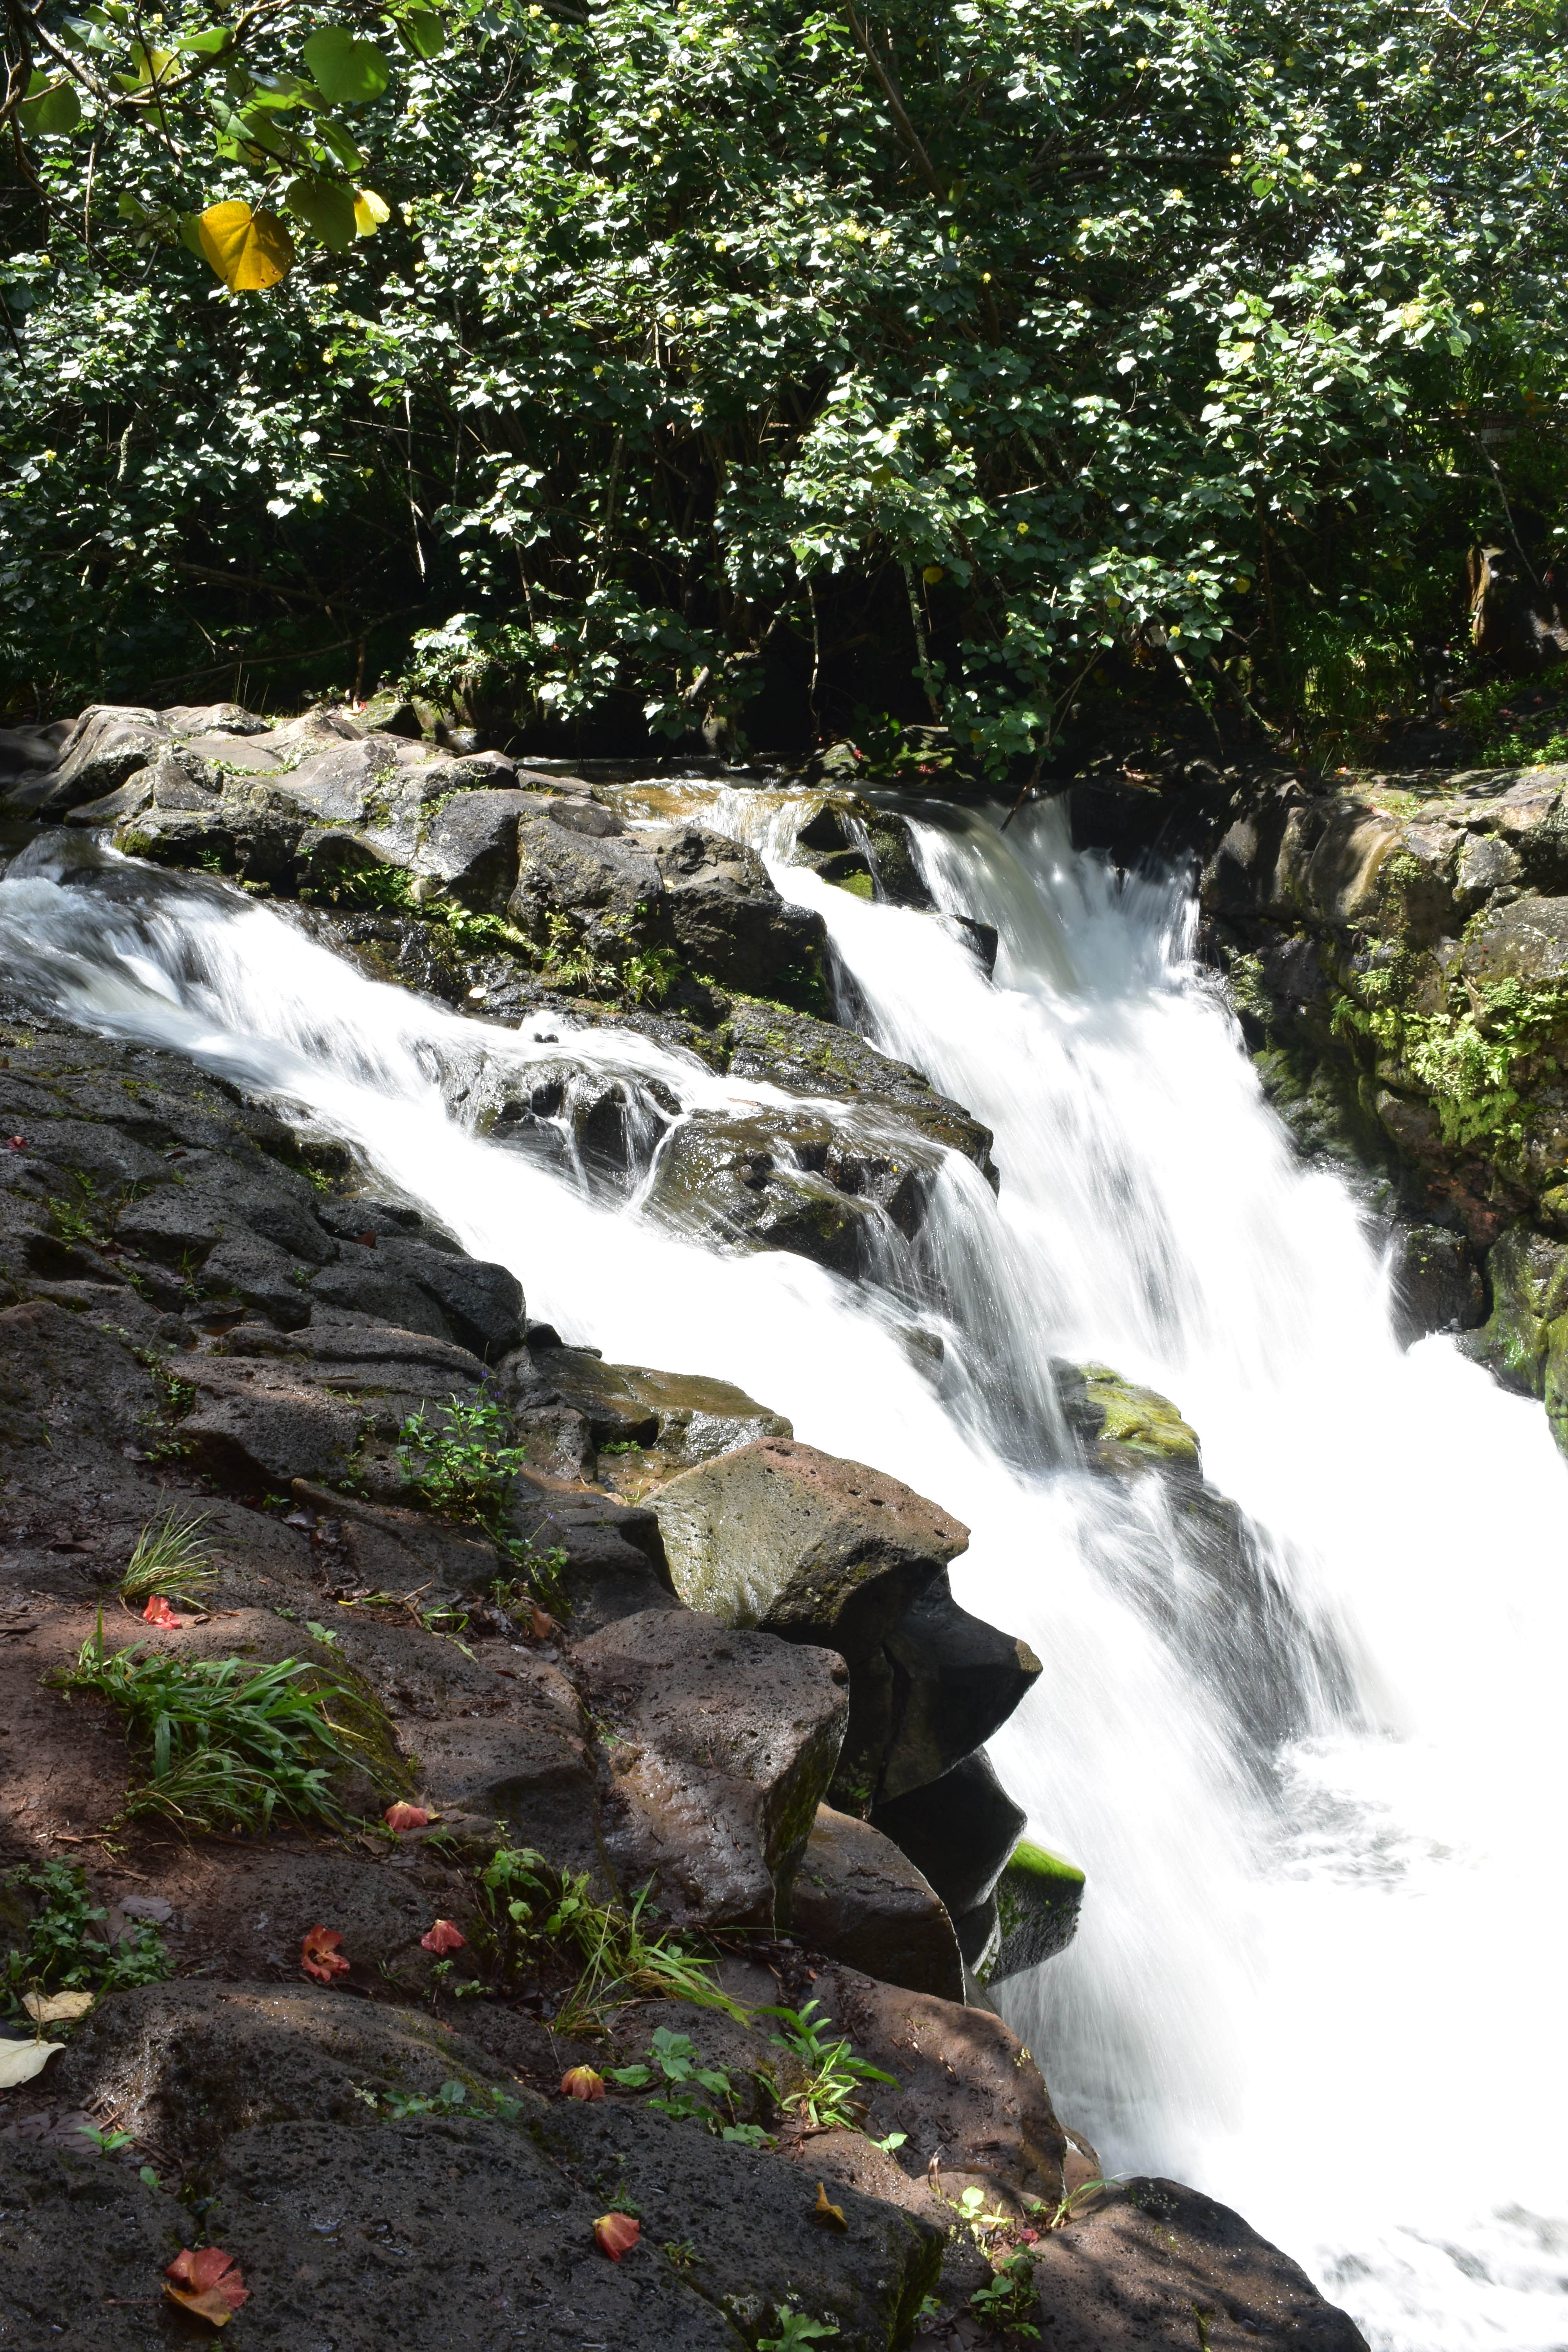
x=1317 y=1968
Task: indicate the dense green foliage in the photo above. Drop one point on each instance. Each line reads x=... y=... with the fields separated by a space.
x=728 y=366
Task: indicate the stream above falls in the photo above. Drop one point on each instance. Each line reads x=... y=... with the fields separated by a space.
x=1318 y=1969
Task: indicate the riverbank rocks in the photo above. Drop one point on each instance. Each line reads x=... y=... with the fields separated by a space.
x=857 y=1897
x=724 y=1743
x=1398 y=951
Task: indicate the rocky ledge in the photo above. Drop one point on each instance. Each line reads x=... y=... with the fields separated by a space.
x=1398 y=949
x=504 y=889
x=444 y=1901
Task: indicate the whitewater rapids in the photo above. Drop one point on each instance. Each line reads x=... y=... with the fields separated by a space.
x=1318 y=1970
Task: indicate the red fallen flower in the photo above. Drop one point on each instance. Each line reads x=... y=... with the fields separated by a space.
x=443 y=1938
x=322 y=1956
x=158 y=1613
x=16 y=1143
x=582 y=2082
x=206 y=2282
x=401 y=1817
x=615 y=2234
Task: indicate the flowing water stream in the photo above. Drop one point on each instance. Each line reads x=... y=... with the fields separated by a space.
x=1319 y=1968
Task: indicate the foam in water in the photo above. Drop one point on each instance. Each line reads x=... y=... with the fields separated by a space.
x=1317 y=1972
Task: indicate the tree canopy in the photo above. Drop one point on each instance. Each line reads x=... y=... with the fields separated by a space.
x=763 y=368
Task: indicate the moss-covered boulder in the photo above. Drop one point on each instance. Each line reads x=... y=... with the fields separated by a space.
x=1038 y=1899
x=1122 y=1425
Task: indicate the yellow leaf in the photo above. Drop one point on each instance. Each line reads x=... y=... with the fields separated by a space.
x=830 y=2216
x=248 y=250
x=370 y=210
x=20 y=2061
x=57 y=2008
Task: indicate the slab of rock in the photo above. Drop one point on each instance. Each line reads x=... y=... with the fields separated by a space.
x=966 y=2091
x=339 y=2235
x=722 y=1744
x=959 y=1831
x=470 y=848
x=107 y=745
x=683 y=1417
x=731 y=924
x=1153 y=2263
x=855 y=1897
x=184 y=2067
x=749 y=2214
x=611 y=1562
x=955 y=1681
x=803 y=1544
x=254 y=1428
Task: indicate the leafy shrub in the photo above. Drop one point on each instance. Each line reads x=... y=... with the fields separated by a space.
x=59 y=1952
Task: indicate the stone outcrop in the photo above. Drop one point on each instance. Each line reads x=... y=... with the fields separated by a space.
x=857 y=1895
x=1399 y=951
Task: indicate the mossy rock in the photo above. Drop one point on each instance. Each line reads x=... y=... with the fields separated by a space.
x=1123 y=1426
x=1039 y=1897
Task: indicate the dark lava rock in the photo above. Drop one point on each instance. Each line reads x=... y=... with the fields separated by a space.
x=958 y=1831
x=724 y=1743
x=855 y=1897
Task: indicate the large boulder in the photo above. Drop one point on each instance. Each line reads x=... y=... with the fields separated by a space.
x=731 y=924
x=1139 y=2262
x=106 y=746
x=792 y=1180
x=803 y=1544
x=721 y=1744
x=858 y=1898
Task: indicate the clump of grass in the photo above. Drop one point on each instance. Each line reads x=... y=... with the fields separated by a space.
x=536 y=1917
x=227 y=1745
x=829 y=2099
x=169 y=1561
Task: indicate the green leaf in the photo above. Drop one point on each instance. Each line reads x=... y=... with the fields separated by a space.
x=333 y=137
x=347 y=72
x=208 y=45
x=326 y=206
x=48 y=110
x=421 y=31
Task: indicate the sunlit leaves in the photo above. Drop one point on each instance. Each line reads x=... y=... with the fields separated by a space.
x=249 y=250
x=326 y=206
x=347 y=71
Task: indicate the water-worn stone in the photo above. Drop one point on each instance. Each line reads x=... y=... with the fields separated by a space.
x=682 y=1418
x=108 y=744
x=1529 y=1293
x=725 y=1742
x=780 y=1181
x=858 y=1898
x=1149 y=2264
x=958 y=1831
x=470 y=848
x=1039 y=1897
x=803 y=1544
x=1122 y=1425
x=730 y=923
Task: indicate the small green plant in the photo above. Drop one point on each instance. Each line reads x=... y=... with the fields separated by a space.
x=73 y=1219
x=1062 y=2213
x=536 y=1916
x=680 y=2253
x=464 y=1467
x=828 y=2100
x=691 y=2088
x=169 y=1561
x=648 y=976
x=60 y=1951
x=795 y=2330
x=226 y=1745
x=1008 y=2300
x=108 y=2143
x=385 y=887
x=451 y=2099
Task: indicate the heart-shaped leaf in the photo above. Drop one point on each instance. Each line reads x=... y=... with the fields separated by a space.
x=346 y=71
x=326 y=206
x=423 y=31
x=49 y=109
x=248 y=250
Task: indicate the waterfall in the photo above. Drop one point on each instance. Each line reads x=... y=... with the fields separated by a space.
x=1317 y=1969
